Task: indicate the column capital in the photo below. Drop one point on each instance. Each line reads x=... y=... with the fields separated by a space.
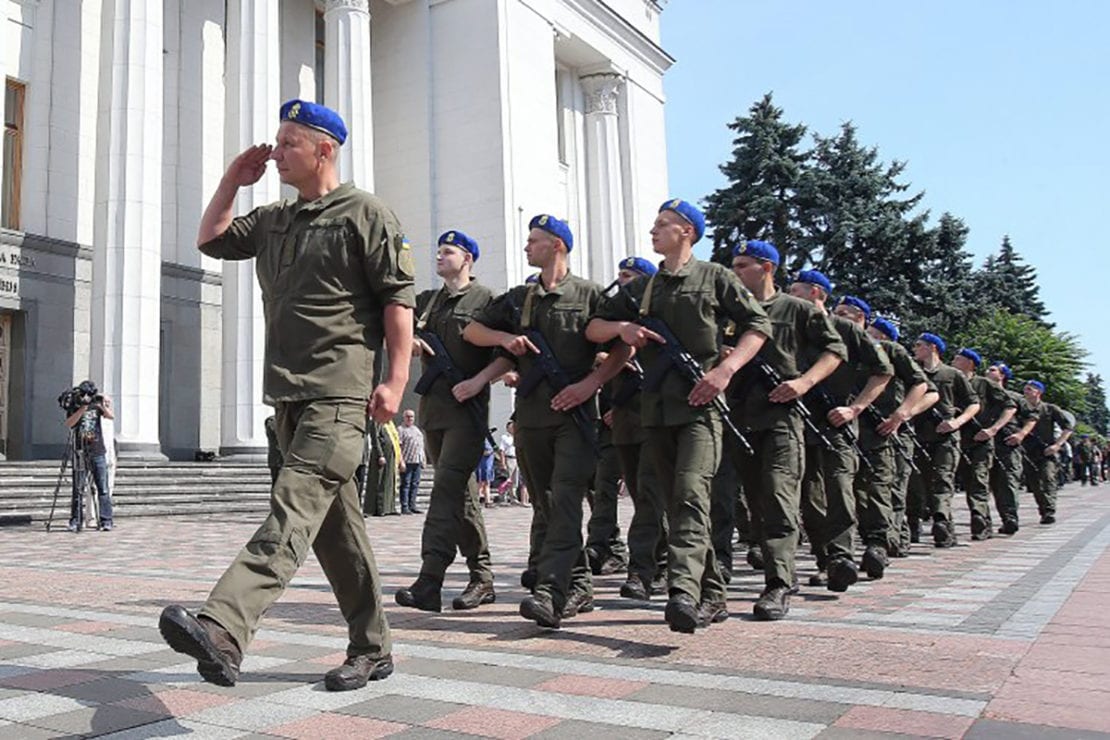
x=353 y=6
x=601 y=91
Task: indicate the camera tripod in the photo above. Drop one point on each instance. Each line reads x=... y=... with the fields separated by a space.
x=87 y=503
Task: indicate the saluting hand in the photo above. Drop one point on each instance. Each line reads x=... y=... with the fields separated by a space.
x=249 y=167
x=635 y=335
x=519 y=345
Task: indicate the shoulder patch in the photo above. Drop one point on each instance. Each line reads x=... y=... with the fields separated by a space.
x=405 y=262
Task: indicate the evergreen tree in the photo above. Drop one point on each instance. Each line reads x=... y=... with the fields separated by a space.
x=1007 y=282
x=1097 y=414
x=943 y=296
x=854 y=213
x=760 y=201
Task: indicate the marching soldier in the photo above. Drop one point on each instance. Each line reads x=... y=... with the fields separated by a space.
x=1005 y=478
x=766 y=406
x=1039 y=435
x=909 y=392
x=828 y=488
x=933 y=488
x=454 y=430
x=978 y=440
x=555 y=426
x=684 y=426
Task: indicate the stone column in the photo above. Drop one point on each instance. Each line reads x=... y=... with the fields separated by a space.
x=347 y=85
x=253 y=78
x=604 y=189
x=127 y=251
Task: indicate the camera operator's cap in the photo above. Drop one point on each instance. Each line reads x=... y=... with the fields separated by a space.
x=1036 y=384
x=1003 y=368
x=972 y=355
x=814 y=277
x=314 y=115
x=689 y=213
x=934 y=340
x=640 y=265
x=460 y=240
x=851 y=300
x=554 y=226
x=757 y=250
x=886 y=327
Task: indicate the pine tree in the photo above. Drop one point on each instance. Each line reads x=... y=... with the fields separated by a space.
x=1008 y=282
x=760 y=201
x=1097 y=414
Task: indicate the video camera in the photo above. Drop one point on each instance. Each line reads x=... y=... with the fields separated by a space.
x=84 y=394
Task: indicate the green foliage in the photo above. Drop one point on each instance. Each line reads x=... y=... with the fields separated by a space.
x=1032 y=351
x=1006 y=281
x=760 y=201
x=1097 y=414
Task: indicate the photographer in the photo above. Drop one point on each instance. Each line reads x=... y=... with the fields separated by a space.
x=87 y=409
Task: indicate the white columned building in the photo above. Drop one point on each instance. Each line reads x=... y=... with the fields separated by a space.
x=604 y=189
x=347 y=85
x=253 y=80
x=128 y=222
x=121 y=116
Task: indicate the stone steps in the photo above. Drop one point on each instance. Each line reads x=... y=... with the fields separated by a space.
x=147 y=489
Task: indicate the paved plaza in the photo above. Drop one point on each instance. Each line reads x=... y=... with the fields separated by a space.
x=1008 y=638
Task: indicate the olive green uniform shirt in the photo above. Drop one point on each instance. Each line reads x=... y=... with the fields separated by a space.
x=1048 y=415
x=994 y=400
x=1024 y=414
x=446 y=315
x=692 y=302
x=560 y=315
x=956 y=394
x=865 y=358
x=800 y=333
x=327 y=268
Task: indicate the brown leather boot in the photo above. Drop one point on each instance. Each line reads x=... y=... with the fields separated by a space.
x=423 y=594
x=474 y=595
x=217 y=654
x=356 y=671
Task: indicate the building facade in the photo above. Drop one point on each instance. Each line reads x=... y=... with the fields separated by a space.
x=120 y=117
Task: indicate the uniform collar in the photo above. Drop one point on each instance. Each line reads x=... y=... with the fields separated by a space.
x=325 y=200
x=556 y=289
x=681 y=272
x=448 y=293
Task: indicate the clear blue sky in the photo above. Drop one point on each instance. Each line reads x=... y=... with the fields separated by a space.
x=1000 y=107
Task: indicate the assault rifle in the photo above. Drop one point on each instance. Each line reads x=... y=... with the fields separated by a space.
x=845 y=430
x=676 y=357
x=440 y=365
x=938 y=418
x=774 y=380
x=631 y=385
x=876 y=418
x=547 y=367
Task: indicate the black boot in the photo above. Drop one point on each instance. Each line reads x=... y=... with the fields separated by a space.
x=423 y=594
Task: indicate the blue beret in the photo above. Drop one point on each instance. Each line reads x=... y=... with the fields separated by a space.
x=639 y=264
x=759 y=250
x=553 y=226
x=688 y=212
x=886 y=327
x=934 y=340
x=532 y=279
x=1036 y=384
x=813 y=277
x=971 y=355
x=460 y=240
x=851 y=300
x=1003 y=368
x=315 y=116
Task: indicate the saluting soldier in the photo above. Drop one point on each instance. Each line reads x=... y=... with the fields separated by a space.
x=1005 y=476
x=933 y=488
x=828 y=487
x=453 y=432
x=908 y=393
x=765 y=410
x=684 y=431
x=1041 y=444
x=554 y=453
x=337 y=278
x=997 y=408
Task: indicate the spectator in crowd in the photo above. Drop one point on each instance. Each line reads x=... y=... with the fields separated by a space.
x=515 y=491
x=412 y=456
x=484 y=473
